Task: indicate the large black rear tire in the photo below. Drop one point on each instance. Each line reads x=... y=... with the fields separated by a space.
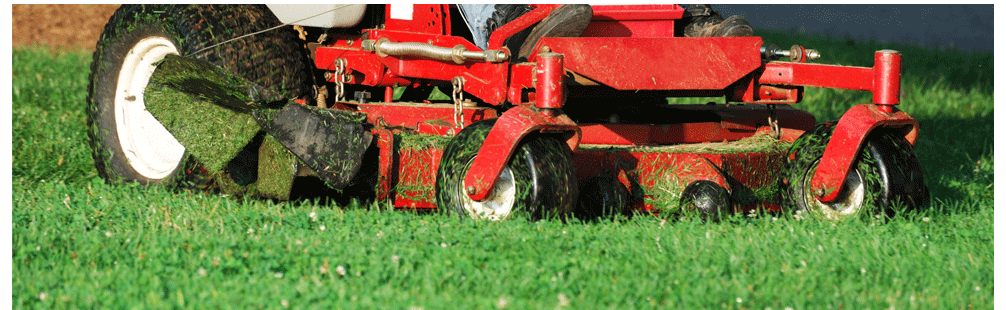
x=128 y=144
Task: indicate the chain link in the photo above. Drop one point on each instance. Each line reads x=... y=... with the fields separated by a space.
x=459 y=84
x=773 y=121
x=340 y=78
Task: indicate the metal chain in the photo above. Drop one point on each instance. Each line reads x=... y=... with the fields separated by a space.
x=773 y=121
x=459 y=84
x=340 y=78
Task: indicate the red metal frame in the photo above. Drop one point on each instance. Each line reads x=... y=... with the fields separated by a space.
x=627 y=49
x=643 y=63
x=486 y=81
x=847 y=140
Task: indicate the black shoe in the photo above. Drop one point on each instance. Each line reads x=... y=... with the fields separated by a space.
x=706 y=23
x=568 y=20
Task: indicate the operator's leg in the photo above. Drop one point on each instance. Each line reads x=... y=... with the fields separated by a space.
x=476 y=16
x=504 y=14
x=568 y=20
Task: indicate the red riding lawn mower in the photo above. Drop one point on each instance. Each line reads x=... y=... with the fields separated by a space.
x=234 y=98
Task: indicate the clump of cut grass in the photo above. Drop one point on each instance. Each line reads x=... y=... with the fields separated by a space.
x=203 y=108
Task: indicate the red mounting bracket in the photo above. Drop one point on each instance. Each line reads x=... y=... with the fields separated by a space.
x=524 y=21
x=883 y=80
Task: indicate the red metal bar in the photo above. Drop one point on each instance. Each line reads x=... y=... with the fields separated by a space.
x=887 y=78
x=550 y=80
x=363 y=68
x=884 y=79
x=503 y=139
x=413 y=114
x=643 y=21
x=530 y=18
x=846 y=142
x=831 y=76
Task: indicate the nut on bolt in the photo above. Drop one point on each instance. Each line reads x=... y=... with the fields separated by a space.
x=367 y=45
x=795 y=53
x=819 y=192
x=813 y=54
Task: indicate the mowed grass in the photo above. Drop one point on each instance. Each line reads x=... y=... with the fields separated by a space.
x=79 y=243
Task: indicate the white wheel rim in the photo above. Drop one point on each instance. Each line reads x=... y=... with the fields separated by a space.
x=498 y=205
x=150 y=149
x=849 y=201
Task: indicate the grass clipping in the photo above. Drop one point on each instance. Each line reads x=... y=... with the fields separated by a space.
x=204 y=108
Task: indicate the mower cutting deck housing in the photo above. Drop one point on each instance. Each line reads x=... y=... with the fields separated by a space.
x=583 y=125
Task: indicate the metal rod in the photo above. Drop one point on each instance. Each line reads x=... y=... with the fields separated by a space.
x=458 y=54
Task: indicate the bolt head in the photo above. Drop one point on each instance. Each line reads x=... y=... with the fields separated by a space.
x=470 y=189
x=819 y=192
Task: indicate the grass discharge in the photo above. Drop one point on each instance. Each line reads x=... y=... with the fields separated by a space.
x=205 y=108
x=79 y=243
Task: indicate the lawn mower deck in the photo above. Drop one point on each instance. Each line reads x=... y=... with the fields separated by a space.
x=583 y=123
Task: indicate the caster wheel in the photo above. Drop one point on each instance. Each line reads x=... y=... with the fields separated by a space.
x=708 y=199
x=602 y=196
x=537 y=182
x=886 y=176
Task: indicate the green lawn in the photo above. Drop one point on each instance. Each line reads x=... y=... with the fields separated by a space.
x=79 y=243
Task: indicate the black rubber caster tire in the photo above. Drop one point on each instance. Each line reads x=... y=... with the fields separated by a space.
x=602 y=197
x=886 y=178
x=538 y=181
x=707 y=199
